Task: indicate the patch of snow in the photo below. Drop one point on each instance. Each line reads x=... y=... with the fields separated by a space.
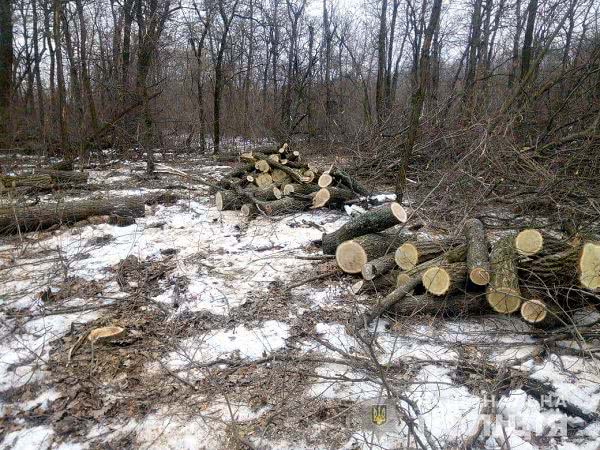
x=38 y=438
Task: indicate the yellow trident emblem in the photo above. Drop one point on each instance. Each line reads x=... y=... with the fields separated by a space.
x=379 y=414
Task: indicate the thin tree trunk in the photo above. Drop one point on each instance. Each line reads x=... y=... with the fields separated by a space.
x=417 y=100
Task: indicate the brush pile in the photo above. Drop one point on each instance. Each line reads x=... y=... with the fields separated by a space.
x=539 y=275
x=275 y=181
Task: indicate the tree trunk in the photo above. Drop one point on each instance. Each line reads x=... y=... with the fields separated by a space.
x=527 y=53
x=417 y=100
x=414 y=252
x=21 y=219
x=373 y=221
x=6 y=66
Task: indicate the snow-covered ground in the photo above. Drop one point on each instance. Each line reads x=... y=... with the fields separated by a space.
x=263 y=364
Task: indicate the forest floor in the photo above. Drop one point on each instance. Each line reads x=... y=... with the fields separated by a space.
x=219 y=352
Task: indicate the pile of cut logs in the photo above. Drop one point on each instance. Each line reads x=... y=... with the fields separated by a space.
x=411 y=273
x=275 y=181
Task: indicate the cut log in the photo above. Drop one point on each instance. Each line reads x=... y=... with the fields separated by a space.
x=262 y=166
x=456 y=305
x=299 y=189
x=402 y=279
x=349 y=182
x=414 y=252
x=285 y=205
x=274 y=157
x=310 y=175
x=39 y=217
x=589 y=266
x=65 y=176
x=263 y=180
x=265 y=194
x=295 y=176
x=529 y=242
x=31 y=181
x=277 y=193
x=580 y=264
x=325 y=180
x=352 y=255
x=379 y=266
x=280 y=177
x=248 y=210
x=248 y=157
x=330 y=196
x=444 y=279
x=540 y=314
x=478 y=263
x=503 y=293
x=377 y=219
x=228 y=200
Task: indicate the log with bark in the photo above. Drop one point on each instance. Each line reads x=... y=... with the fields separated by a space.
x=286 y=205
x=478 y=263
x=65 y=176
x=414 y=252
x=541 y=314
x=530 y=242
x=352 y=255
x=21 y=219
x=330 y=196
x=228 y=200
x=503 y=293
x=378 y=267
x=463 y=304
x=578 y=265
x=299 y=189
x=444 y=279
x=42 y=182
x=375 y=220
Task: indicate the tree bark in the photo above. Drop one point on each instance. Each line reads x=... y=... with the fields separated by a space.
x=21 y=219
x=503 y=293
x=373 y=221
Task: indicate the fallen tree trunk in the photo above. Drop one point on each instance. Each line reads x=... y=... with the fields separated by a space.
x=39 y=217
x=373 y=221
x=65 y=176
x=330 y=195
x=458 y=305
x=503 y=294
x=352 y=255
x=478 y=263
x=285 y=205
x=32 y=181
x=444 y=279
